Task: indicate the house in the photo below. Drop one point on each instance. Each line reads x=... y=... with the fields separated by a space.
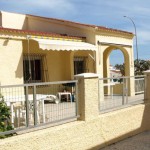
x=114 y=72
x=40 y=49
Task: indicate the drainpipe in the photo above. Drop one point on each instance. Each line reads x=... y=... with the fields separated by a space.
x=28 y=39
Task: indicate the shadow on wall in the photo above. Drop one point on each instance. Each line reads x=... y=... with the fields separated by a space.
x=145 y=126
x=5 y=43
x=19 y=70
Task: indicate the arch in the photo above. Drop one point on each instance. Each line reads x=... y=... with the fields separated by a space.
x=106 y=55
x=128 y=61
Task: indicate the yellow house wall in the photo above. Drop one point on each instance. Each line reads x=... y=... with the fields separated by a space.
x=114 y=38
x=47 y=25
x=92 y=36
x=54 y=26
x=59 y=63
x=11 y=71
x=104 y=52
x=13 y=20
x=99 y=60
x=90 y=62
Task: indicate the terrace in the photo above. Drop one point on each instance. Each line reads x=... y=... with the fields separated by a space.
x=88 y=114
x=53 y=103
x=87 y=110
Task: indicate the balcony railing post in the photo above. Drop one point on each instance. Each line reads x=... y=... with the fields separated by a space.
x=76 y=98
x=27 y=106
x=126 y=88
x=123 y=92
x=35 y=105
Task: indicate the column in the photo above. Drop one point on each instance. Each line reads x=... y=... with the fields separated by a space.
x=147 y=86
x=88 y=96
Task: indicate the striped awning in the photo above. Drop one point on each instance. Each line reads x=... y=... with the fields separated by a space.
x=48 y=44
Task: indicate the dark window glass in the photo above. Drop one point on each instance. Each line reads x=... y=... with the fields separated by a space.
x=79 y=65
x=35 y=65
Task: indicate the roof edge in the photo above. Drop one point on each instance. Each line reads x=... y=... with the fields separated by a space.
x=39 y=33
x=95 y=27
x=82 y=24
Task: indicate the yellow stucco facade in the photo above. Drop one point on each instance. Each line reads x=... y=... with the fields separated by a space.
x=14 y=44
x=92 y=130
x=11 y=62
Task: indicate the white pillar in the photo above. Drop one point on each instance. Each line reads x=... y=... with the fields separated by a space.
x=147 y=86
x=88 y=96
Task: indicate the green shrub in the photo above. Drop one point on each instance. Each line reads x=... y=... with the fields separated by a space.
x=5 y=124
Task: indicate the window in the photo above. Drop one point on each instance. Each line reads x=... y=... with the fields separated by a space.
x=80 y=65
x=32 y=66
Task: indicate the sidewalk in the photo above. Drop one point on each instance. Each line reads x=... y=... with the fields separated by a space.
x=138 y=142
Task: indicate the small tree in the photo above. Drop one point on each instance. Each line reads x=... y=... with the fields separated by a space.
x=140 y=66
x=5 y=123
x=121 y=68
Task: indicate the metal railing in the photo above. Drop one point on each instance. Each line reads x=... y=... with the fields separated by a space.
x=139 y=85
x=39 y=104
x=115 y=93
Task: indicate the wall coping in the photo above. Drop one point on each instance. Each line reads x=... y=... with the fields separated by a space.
x=147 y=72
x=87 y=75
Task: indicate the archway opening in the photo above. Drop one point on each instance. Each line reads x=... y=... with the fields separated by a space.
x=121 y=55
x=116 y=63
x=115 y=56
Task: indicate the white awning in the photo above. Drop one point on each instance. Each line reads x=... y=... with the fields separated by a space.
x=47 y=44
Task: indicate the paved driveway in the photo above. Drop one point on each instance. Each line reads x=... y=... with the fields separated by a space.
x=138 y=142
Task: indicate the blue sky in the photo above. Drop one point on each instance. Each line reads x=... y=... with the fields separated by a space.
x=106 y=13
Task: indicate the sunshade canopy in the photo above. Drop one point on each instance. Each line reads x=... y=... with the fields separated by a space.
x=47 y=44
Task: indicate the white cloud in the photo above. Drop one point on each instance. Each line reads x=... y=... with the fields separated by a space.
x=60 y=6
x=108 y=13
x=40 y=6
x=143 y=34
